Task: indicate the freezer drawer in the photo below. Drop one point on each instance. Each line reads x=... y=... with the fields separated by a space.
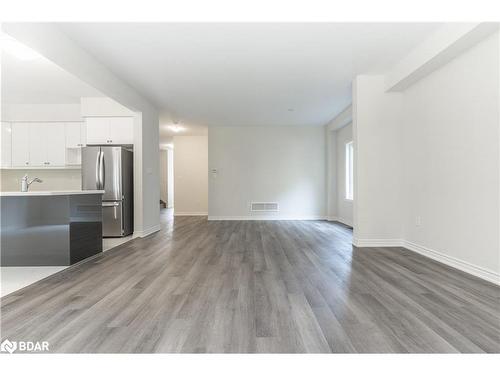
x=112 y=219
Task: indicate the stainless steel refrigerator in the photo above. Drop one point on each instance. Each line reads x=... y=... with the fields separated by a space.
x=110 y=168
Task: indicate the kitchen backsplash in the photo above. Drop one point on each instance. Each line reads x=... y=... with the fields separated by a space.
x=53 y=179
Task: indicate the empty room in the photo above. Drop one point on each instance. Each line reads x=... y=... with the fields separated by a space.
x=233 y=187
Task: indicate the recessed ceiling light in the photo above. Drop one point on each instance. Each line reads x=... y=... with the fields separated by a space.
x=176 y=128
x=17 y=49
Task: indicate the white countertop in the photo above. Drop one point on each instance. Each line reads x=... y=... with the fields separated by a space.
x=41 y=193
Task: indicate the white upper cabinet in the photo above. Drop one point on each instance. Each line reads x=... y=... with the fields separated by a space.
x=75 y=134
x=6 y=143
x=38 y=145
x=20 y=144
x=97 y=130
x=55 y=145
x=110 y=130
x=75 y=140
x=121 y=130
x=58 y=144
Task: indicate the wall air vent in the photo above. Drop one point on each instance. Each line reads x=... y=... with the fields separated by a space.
x=264 y=207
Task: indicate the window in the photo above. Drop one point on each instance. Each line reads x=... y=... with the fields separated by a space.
x=349 y=165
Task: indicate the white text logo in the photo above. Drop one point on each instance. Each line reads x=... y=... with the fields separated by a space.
x=24 y=346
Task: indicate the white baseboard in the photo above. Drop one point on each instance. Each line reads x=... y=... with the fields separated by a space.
x=190 y=213
x=146 y=232
x=340 y=220
x=382 y=242
x=459 y=264
x=215 y=218
x=438 y=256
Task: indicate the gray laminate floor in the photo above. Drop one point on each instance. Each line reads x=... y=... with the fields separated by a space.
x=250 y=286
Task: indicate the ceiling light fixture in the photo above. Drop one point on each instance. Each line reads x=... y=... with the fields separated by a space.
x=176 y=128
x=17 y=49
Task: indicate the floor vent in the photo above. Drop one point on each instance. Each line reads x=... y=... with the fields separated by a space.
x=264 y=206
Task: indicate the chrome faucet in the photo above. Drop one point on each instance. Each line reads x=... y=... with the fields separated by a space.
x=25 y=184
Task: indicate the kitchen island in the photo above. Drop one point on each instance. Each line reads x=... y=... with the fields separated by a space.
x=50 y=228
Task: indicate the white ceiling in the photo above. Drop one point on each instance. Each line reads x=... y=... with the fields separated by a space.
x=247 y=73
x=40 y=81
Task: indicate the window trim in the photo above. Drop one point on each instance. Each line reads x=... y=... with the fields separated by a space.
x=349 y=171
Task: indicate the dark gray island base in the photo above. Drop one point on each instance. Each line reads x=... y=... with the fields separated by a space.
x=50 y=228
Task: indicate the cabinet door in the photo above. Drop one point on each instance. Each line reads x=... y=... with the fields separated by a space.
x=37 y=144
x=83 y=134
x=20 y=144
x=73 y=137
x=55 y=145
x=121 y=130
x=97 y=129
x=6 y=143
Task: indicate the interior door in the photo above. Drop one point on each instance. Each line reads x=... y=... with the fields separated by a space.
x=55 y=145
x=112 y=164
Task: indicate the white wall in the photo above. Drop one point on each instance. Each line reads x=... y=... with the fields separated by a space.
x=427 y=163
x=377 y=162
x=41 y=112
x=103 y=107
x=451 y=154
x=344 y=206
x=267 y=164
x=190 y=175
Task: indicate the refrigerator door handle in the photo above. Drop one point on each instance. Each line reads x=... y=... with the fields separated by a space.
x=97 y=171
x=110 y=204
x=102 y=171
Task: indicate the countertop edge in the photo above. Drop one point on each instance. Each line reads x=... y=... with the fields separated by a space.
x=48 y=193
